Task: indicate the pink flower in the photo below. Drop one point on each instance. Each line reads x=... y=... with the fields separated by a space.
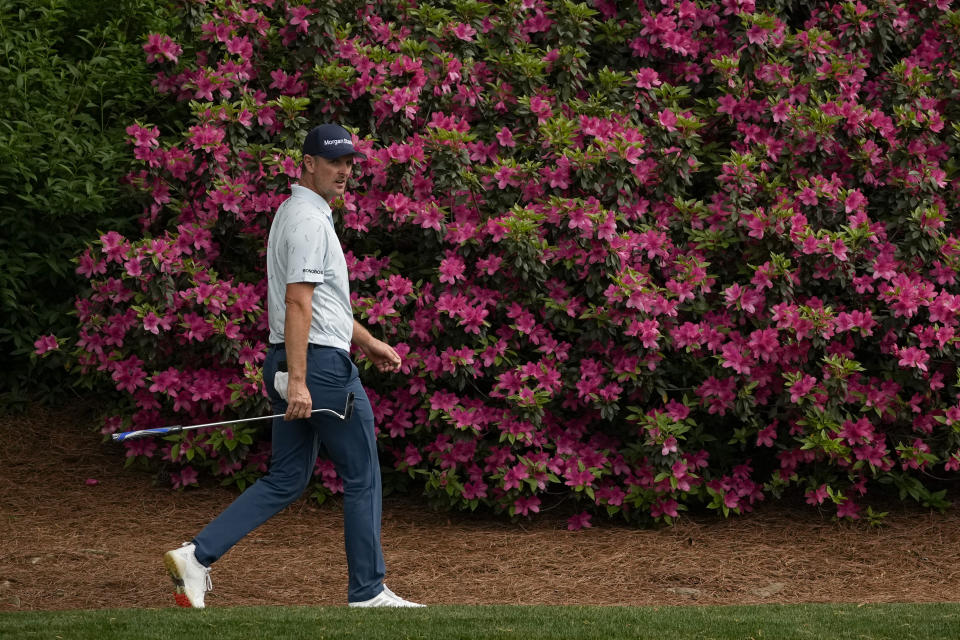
x=133 y=267
x=399 y=286
x=733 y=357
x=44 y=344
x=490 y=264
x=874 y=455
x=142 y=447
x=115 y=246
x=505 y=138
x=767 y=435
x=88 y=266
x=808 y=196
x=579 y=219
x=579 y=478
x=736 y=7
x=647 y=78
x=144 y=137
x=524 y=506
x=677 y=410
x=428 y=217
x=780 y=111
x=664 y=507
x=206 y=137
x=129 y=374
x=153 y=323
x=443 y=401
x=91 y=482
x=669 y=446
x=579 y=521
x=668 y=119
x=464 y=32
x=801 y=387
x=451 y=269
x=816 y=496
x=197 y=328
x=186 y=477
x=839 y=249
x=764 y=343
x=507 y=177
x=411 y=455
x=913 y=357
x=515 y=477
x=679 y=471
x=855 y=201
x=240 y=46
x=166 y=381
x=540 y=108
x=731 y=500
x=857 y=432
x=953 y=463
x=473 y=318
x=848 y=509
x=159 y=47
x=298 y=17
x=474 y=490
x=757 y=35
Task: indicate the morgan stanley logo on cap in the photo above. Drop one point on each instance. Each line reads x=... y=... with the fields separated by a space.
x=329 y=141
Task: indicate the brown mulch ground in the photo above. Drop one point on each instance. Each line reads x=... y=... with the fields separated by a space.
x=68 y=545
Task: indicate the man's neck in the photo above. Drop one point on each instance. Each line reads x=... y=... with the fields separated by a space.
x=328 y=199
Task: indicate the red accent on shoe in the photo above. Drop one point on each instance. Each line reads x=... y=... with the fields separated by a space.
x=182 y=600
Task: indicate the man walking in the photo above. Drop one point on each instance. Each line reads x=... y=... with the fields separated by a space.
x=311 y=330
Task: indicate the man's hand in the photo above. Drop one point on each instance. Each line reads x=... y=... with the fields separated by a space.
x=299 y=402
x=381 y=355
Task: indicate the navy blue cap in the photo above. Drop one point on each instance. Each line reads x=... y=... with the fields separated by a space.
x=329 y=141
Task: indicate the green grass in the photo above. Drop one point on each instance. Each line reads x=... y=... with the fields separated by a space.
x=776 y=622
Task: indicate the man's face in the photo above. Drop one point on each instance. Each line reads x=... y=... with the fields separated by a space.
x=327 y=177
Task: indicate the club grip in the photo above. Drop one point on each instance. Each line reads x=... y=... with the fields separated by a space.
x=130 y=435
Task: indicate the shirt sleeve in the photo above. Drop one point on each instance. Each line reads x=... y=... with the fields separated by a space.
x=307 y=251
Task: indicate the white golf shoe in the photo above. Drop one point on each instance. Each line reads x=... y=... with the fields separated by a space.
x=191 y=580
x=386 y=598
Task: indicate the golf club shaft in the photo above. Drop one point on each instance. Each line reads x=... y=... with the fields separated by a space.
x=159 y=431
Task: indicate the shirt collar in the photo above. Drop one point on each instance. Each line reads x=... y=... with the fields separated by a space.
x=312 y=197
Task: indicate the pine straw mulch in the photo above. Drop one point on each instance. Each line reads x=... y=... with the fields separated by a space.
x=70 y=545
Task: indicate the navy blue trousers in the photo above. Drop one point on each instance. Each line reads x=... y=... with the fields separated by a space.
x=352 y=447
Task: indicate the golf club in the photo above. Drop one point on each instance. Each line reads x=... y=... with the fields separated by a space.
x=160 y=431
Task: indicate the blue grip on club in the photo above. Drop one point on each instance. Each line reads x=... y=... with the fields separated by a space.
x=120 y=437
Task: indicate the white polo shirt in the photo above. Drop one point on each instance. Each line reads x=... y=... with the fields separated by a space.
x=303 y=247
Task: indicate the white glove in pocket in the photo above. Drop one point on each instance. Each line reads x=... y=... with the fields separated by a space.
x=280 y=383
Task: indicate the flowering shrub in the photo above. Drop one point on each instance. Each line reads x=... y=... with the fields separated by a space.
x=643 y=256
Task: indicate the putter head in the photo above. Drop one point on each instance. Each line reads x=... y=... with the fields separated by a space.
x=348 y=409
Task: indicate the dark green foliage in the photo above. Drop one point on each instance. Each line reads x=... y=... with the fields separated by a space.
x=73 y=77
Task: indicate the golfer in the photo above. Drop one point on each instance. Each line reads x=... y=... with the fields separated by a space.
x=311 y=330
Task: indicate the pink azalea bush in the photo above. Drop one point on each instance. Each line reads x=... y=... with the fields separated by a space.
x=645 y=257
